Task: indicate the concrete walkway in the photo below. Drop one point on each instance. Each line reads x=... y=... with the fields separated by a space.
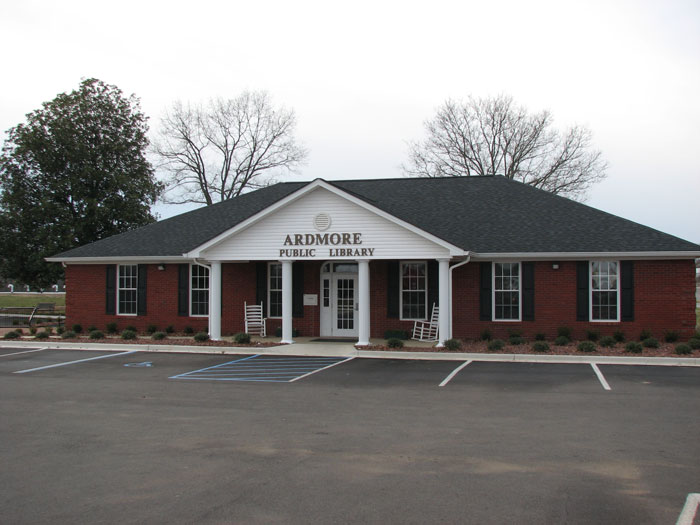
x=309 y=348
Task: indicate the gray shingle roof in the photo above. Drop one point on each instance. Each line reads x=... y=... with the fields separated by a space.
x=478 y=214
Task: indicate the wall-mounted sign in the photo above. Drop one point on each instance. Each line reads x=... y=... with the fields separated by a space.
x=310 y=299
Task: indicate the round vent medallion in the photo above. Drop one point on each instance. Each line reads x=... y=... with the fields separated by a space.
x=322 y=222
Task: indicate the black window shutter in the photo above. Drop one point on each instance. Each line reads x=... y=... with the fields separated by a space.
x=627 y=290
x=433 y=287
x=261 y=285
x=141 y=295
x=582 y=285
x=298 y=289
x=111 y=290
x=485 y=291
x=183 y=289
x=392 y=289
x=528 y=291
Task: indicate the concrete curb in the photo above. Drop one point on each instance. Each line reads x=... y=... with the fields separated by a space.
x=348 y=350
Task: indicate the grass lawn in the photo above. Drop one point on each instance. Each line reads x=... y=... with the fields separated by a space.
x=19 y=299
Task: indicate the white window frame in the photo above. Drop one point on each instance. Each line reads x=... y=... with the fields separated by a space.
x=208 y=289
x=493 y=292
x=590 y=291
x=135 y=289
x=269 y=289
x=427 y=314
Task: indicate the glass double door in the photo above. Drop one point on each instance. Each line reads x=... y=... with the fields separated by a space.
x=339 y=300
x=344 y=305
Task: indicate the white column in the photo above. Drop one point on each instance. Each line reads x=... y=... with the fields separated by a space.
x=363 y=289
x=444 y=302
x=215 y=301
x=287 y=302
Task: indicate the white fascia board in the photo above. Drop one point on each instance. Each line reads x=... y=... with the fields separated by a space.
x=117 y=260
x=561 y=256
x=320 y=183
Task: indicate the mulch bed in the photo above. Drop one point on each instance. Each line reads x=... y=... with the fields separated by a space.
x=480 y=347
x=147 y=341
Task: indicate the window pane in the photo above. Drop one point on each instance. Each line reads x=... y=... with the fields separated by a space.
x=413 y=290
x=506 y=293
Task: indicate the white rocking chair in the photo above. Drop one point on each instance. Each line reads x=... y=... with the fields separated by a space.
x=254 y=320
x=427 y=330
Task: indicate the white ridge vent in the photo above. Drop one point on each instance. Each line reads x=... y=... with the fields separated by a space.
x=322 y=222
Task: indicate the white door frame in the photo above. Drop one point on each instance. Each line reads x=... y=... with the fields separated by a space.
x=329 y=314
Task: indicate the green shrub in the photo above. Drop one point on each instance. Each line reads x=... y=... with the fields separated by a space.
x=91 y=328
x=650 y=342
x=619 y=337
x=189 y=330
x=586 y=346
x=158 y=336
x=11 y=335
x=396 y=334
x=48 y=330
x=453 y=344
x=131 y=327
x=68 y=334
x=96 y=334
x=607 y=341
x=151 y=329
x=515 y=332
x=540 y=346
x=516 y=340
x=394 y=343
x=242 y=338
x=644 y=334
x=111 y=328
x=32 y=330
x=540 y=336
x=42 y=335
x=683 y=349
x=60 y=330
x=19 y=331
x=564 y=331
x=486 y=335
x=201 y=337
x=633 y=347
x=671 y=336
x=496 y=344
x=562 y=340
x=128 y=334
x=77 y=328
x=694 y=343
x=592 y=335
x=170 y=329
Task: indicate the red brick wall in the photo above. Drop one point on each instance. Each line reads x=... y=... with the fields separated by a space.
x=664 y=300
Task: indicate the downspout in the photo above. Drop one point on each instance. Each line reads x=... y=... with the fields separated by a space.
x=465 y=261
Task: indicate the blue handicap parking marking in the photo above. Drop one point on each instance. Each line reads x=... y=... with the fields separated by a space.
x=267 y=368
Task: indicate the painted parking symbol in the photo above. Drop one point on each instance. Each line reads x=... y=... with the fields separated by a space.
x=267 y=368
x=140 y=365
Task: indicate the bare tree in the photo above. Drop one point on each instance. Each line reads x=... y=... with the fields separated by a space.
x=493 y=136
x=215 y=152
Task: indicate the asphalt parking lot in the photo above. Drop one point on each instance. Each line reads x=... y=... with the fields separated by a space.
x=90 y=436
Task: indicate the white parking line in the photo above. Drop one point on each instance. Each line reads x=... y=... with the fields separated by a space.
x=74 y=362
x=601 y=377
x=689 y=509
x=25 y=352
x=454 y=372
x=324 y=368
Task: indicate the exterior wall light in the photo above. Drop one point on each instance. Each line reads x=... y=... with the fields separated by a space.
x=161 y=267
x=555 y=266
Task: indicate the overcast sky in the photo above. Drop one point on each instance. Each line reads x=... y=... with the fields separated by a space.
x=362 y=77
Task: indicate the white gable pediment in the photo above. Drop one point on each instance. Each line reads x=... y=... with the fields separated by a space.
x=324 y=223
